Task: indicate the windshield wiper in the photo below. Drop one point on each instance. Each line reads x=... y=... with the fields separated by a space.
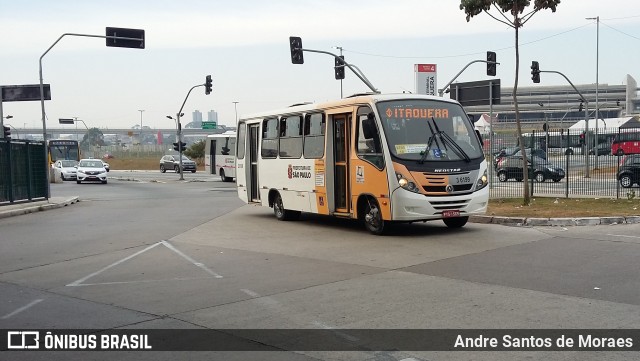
x=426 y=151
x=444 y=137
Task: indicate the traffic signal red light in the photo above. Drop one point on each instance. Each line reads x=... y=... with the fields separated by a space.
x=491 y=63
x=295 y=44
x=535 y=72
x=339 y=68
x=207 y=85
x=6 y=132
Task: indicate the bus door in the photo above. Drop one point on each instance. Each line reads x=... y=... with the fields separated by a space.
x=254 y=132
x=212 y=157
x=341 y=162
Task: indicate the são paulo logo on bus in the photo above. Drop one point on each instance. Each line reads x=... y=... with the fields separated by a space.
x=299 y=171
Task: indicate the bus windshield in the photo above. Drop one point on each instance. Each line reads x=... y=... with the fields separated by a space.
x=427 y=130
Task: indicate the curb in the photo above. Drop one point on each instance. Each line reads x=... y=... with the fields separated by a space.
x=39 y=206
x=559 y=222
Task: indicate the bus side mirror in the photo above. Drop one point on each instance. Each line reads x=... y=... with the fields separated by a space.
x=479 y=136
x=369 y=127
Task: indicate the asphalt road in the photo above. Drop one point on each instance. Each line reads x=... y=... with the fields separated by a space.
x=150 y=252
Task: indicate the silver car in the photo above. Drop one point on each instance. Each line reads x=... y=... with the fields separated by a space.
x=66 y=168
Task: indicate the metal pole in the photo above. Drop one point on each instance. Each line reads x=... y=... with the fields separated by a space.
x=141 y=110
x=180 y=144
x=235 y=107
x=491 y=170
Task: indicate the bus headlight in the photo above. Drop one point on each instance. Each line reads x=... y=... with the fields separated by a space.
x=407 y=184
x=483 y=181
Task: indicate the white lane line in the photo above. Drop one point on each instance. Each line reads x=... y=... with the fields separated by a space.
x=622 y=235
x=23 y=308
x=78 y=282
x=196 y=263
x=250 y=293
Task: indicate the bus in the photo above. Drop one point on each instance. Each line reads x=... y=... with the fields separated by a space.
x=370 y=157
x=220 y=155
x=626 y=141
x=63 y=149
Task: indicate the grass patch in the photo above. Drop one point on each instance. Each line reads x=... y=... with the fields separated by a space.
x=564 y=207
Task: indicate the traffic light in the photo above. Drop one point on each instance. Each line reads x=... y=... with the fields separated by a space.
x=6 y=132
x=295 y=44
x=183 y=146
x=535 y=72
x=207 y=85
x=491 y=65
x=580 y=108
x=339 y=68
x=179 y=146
x=176 y=147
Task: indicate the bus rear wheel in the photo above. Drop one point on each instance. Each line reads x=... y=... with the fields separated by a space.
x=223 y=177
x=373 y=217
x=281 y=213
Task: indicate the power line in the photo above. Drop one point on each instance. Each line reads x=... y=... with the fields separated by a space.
x=620 y=31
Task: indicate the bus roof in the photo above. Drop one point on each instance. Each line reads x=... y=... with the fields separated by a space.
x=228 y=133
x=349 y=101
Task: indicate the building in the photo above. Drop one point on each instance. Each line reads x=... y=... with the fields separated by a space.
x=561 y=105
x=212 y=116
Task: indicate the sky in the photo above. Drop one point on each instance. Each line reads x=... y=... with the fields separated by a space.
x=244 y=46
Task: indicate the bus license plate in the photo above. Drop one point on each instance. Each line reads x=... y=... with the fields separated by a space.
x=451 y=213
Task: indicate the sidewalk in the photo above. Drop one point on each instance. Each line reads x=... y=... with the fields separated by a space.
x=32 y=207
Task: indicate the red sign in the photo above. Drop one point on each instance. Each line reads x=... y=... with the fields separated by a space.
x=426 y=68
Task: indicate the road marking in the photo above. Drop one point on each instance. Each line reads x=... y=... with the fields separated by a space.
x=196 y=263
x=81 y=281
x=250 y=293
x=23 y=308
x=622 y=235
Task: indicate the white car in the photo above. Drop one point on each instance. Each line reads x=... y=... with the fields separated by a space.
x=105 y=165
x=91 y=170
x=67 y=169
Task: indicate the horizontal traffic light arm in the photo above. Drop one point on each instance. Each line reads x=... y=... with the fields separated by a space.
x=353 y=68
x=570 y=83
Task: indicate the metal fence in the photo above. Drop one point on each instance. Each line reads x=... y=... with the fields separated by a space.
x=584 y=158
x=22 y=171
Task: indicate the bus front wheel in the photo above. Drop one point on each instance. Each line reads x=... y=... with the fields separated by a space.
x=373 y=217
x=281 y=213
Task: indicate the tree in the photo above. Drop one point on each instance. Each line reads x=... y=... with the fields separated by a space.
x=510 y=12
x=93 y=137
x=196 y=151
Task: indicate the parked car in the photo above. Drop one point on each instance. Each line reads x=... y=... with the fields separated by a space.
x=66 y=168
x=539 y=169
x=515 y=151
x=172 y=161
x=629 y=173
x=601 y=149
x=91 y=170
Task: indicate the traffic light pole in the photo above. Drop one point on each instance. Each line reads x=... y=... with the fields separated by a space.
x=352 y=67
x=44 y=123
x=441 y=91
x=180 y=149
x=586 y=120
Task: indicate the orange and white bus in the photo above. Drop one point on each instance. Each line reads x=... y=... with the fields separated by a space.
x=376 y=158
x=220 y=155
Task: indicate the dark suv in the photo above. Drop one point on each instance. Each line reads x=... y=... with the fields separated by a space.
x=629 y=173
x=539 y=169
x=172 y=162
x=515 y=151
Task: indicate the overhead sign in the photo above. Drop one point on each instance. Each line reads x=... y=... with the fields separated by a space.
x=426 y=79
x=133 y=38
x=472 y=93
x=65 y=121
x=21 y=93
x=209 y=125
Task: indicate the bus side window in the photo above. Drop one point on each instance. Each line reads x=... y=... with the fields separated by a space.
x=314 y=128
x=369 y=146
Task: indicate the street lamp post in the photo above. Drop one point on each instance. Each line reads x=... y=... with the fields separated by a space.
x=141 y=111
x=235 y=106
x=597 y=19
